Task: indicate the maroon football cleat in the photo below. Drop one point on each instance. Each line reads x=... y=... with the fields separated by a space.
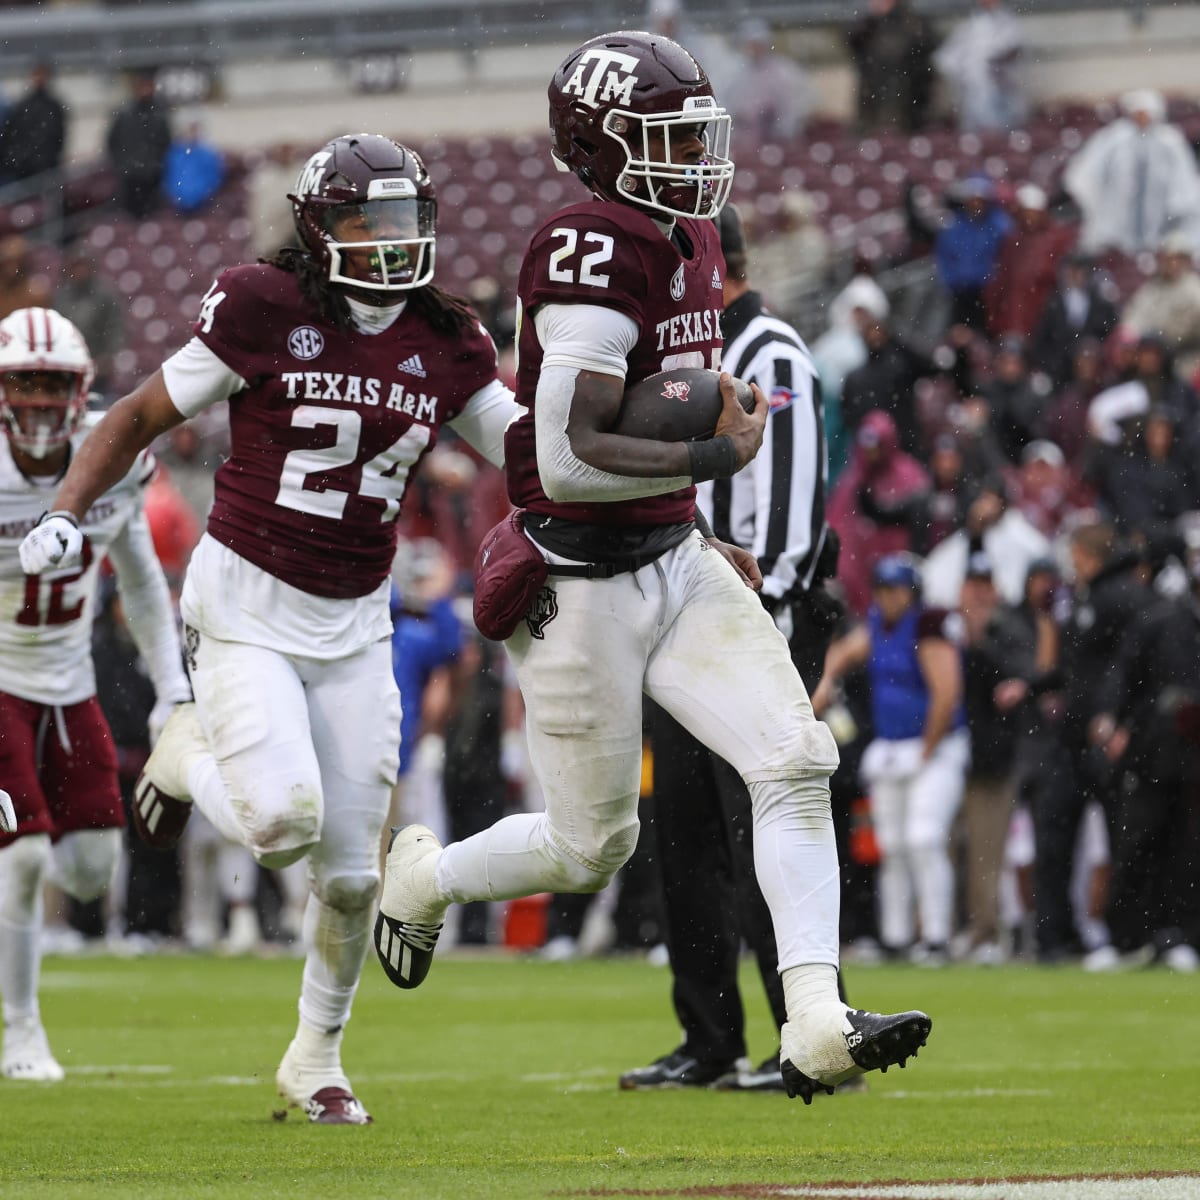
x=161 y=803
x=336 y=1106
x=158 y=818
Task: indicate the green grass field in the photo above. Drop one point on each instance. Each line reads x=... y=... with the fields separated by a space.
x=497 y=1079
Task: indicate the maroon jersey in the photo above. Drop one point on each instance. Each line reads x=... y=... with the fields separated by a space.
x=329 y=428
x=614 y=255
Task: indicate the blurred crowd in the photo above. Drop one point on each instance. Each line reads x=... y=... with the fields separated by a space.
x=1026 y=425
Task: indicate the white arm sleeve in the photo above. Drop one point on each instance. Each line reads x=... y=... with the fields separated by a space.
x=487 y=415
x=582 y=337
x=147 y=601
x=196 y=377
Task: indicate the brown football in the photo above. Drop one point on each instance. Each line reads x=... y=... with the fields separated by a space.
x=680 y=405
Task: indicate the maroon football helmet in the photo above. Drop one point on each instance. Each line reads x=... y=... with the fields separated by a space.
x=614 y=103
x=366 y=209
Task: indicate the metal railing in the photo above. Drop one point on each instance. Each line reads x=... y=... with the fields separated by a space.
x=216 y=31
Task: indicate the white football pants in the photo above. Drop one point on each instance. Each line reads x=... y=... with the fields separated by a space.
x=913 y=804
x=306 y=753
x=686 y=631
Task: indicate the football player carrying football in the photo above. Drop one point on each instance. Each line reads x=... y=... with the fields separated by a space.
x=56 y=752
x=637 y=601
x=341 y=362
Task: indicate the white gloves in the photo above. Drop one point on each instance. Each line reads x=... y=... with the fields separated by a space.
x=55 y=541
x=8 y=818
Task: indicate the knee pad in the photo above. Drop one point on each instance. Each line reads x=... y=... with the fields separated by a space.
x=280 y=838
x=807 y=751
x=82 y=862
x=276 y=860
x=348 y=893
x=588 y=867
x=22 y=872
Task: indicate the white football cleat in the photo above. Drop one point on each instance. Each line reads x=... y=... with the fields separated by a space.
x=8 y=815
x=27 y=1054
x=162 y=802
x=410 y=910
x=322 y=1092
x=819 y=1053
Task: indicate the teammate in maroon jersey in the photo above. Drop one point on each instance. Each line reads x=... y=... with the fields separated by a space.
x=341 y=362
x=637 y=601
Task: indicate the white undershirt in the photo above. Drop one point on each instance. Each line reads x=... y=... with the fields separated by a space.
x=582 y=337
x=371 y=318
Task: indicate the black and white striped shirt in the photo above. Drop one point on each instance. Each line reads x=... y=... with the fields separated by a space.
x=775 y=506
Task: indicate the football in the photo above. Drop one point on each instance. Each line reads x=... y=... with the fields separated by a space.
x=680 y=405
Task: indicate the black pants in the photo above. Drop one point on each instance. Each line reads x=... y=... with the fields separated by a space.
x=711 y=899
x=1069 y=776
x=1154 y=894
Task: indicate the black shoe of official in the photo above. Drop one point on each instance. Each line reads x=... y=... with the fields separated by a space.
x=766 y=1077
x=874 y=1041
x=675 y=1070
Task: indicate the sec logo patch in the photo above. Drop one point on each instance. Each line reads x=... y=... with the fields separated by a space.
x=305 y=342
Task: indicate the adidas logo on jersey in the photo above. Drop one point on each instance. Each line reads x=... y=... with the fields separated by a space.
x=716 y=278
x=412 y=366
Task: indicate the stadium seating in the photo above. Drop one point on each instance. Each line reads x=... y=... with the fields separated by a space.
x=493 y=191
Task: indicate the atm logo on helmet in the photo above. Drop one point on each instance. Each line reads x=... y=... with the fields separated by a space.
x=310 y=175
x=603 y=75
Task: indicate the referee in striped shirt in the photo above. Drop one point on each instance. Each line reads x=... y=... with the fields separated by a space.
x=774 y=507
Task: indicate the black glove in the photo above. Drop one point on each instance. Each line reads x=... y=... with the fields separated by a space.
x=823 y=611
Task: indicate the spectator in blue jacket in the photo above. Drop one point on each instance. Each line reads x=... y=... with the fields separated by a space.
x=427 y=638
x=194 y=170
x=967 y=249
x=427 y=633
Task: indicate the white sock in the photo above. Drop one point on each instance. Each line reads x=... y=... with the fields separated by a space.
x=809 y=988
x=20 y=967
x=336 y=945
x=317 y=1050
x=795 y=861
x=22 y=870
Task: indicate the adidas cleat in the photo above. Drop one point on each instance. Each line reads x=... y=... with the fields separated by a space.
x=8 y=815
x=336 y=1106
x=873 y=1041
x=161 y=801
x=322 y=1091
x=410 y=914
x=27 y=1055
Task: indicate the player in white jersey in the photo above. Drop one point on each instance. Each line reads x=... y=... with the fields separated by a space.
x=56 y=753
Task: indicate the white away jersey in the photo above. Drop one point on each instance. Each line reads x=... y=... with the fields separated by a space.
x=46 y=620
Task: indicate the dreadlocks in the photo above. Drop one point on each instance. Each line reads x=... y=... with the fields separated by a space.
x=446 y=313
